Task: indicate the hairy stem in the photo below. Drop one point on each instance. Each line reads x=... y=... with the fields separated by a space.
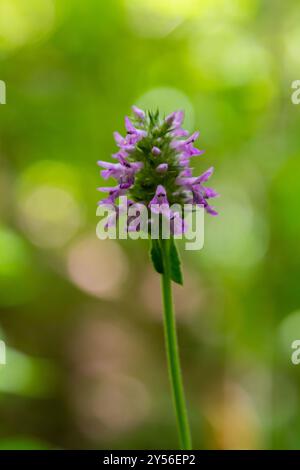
x=173 y=353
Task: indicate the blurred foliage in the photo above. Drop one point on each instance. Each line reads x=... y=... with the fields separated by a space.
x=80 y=317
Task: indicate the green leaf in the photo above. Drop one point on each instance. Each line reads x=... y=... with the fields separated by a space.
x=156 y=256
x=175 y=264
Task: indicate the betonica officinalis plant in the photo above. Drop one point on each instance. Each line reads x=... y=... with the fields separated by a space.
x=154 y=176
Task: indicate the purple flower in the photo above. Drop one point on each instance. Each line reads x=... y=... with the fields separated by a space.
x=133 y=221
x=186 y=146
x=178 y=225
x=136 y=134
x=160 y=196
x=124 y=172
x=175 y=119
x=139 y=113
x=113 y=194
x=153 y=166
x=156 y=151
x=162 y=168
x=179 y=133
x=205 y=176
x=133 y=136
x=200 y=194
x=159 y=204
x=111 y=169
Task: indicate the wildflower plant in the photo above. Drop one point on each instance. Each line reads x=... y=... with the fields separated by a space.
x=153 y=170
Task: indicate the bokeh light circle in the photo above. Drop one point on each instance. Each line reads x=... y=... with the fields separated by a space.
x=24 y=21
x=97 y=267
x=168 y=99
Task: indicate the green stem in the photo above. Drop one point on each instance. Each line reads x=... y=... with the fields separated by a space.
x=172 y=352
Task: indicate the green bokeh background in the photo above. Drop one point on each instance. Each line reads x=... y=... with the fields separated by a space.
x=81 y=318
